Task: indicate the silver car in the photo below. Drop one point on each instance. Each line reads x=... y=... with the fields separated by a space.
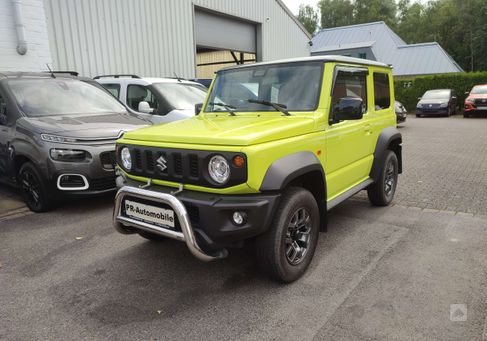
x=57 y=136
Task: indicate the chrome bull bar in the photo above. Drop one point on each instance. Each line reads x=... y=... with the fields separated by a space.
x=187 y=234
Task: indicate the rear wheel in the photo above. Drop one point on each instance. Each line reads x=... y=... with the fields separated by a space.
x=285 y=251
x=34 y=189
x=382 y=191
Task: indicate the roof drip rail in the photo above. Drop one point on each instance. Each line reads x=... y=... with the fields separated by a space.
x=116 y=76
x=71 y=73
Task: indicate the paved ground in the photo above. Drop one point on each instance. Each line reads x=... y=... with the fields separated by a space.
x=379 y=273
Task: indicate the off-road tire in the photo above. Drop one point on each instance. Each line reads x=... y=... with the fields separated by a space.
x=379 y=193
x=35 y=189
x=270 y=247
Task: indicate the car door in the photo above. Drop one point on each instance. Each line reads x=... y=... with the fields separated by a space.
x=4 y=137
x=348 y=157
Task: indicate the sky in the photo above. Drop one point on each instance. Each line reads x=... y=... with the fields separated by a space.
x=293 y=5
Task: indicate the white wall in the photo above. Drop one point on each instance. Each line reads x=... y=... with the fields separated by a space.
x=155 y=37
x=38 y=53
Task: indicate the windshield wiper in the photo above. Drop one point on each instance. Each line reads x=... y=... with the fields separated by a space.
x=230 y=108
x=279 y=107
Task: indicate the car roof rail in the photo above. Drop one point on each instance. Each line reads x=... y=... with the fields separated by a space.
x=70 y=73
x=116 y=76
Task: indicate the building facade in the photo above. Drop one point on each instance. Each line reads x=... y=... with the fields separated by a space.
x=150 y=37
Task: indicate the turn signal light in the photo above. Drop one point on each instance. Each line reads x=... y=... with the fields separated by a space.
x=238 y=161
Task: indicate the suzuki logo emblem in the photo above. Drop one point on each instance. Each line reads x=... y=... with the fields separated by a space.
x=161 y=163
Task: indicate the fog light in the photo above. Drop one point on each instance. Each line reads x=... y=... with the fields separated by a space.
x=239 y=218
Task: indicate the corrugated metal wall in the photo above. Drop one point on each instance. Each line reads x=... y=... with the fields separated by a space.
x=154 y=37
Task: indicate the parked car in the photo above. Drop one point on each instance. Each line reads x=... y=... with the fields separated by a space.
x=401 y=112
x=476 y=101
x=160 y=100
x=203 y=81
x=264 y=169
x=440 y=102
x=57 y=136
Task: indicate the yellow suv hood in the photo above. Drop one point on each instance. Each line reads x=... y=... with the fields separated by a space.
x=243 y=130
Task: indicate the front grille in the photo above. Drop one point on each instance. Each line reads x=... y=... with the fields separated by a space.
x=180 y=165
x=480 y=101
x=102 y=184
x=108 y=160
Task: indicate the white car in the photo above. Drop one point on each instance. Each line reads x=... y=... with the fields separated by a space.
x=160 y=100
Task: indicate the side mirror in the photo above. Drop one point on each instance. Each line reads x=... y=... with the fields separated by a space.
x=419 y=98
x=467 y=93
x=348 y=108
x=145 y=108
x=453 y=97
x=197 y=108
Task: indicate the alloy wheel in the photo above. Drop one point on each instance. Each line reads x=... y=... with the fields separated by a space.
x=390 y=179
x=298 y=236
x=31 y=188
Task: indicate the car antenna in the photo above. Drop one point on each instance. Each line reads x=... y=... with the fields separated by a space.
x=177 y=77
x=52 y=73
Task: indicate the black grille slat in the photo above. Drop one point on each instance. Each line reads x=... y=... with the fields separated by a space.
x=102 y=184
x=181 y=165
x=108 y=160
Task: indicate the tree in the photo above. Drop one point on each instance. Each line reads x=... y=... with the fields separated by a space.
x=308 y=16
x=336 y=13
x=375 y=10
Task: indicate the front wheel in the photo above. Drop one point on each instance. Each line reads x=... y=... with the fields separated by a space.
x=285 y=251
x=34 y=189
x=382 y=191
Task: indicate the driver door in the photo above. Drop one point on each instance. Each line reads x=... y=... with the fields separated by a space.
x=348 y=158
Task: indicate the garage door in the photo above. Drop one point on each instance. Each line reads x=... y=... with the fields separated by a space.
x=220 y=32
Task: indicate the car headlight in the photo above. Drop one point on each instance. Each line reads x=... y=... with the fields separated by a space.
x=68 y=155
x=126 y=158
x=419 y=106
x=219 y=169
x=444 y=105
x=57 y=139
x=469 y=100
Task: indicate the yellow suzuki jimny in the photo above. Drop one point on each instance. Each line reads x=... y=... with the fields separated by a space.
x=273 y=148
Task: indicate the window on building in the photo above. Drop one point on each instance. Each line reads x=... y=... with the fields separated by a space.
x=139 y=93
x=382 y=94
x=348 y=84
x=114 y=89
x=362 y=55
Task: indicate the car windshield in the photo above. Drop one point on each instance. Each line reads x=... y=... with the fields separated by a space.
x=55 y=96
x=182 y=96
x=436 y=94
x=479 y=90
x=294 y=87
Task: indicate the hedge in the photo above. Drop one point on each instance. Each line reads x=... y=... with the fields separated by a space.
x=407 y=90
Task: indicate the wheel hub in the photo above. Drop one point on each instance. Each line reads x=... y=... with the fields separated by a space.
x=298 y=236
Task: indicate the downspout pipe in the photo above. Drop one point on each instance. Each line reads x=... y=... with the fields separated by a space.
x=20 y=27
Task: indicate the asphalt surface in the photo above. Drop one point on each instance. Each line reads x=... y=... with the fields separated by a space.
x=416 y=270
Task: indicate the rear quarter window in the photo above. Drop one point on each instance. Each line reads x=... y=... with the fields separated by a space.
x=382 y=91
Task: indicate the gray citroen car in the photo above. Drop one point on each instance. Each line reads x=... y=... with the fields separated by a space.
x=57 y=136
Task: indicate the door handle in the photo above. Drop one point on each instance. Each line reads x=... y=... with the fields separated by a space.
x=368 y=129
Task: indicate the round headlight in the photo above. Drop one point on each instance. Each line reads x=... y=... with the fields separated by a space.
x=126 y=158
x=219 y=169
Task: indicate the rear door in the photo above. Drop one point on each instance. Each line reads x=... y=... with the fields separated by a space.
x=348 y=156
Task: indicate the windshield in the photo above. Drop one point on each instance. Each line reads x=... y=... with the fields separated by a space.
x=479 y=89
x=436 y=94
x=182 y=96
x=294 y=86
x=48 y=97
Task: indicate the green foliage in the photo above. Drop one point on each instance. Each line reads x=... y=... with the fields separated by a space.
x=308 y=16
x=460 y=82
x=336 y=13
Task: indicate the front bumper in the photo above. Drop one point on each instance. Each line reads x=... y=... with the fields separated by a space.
x=439 y=111
x=205 y=219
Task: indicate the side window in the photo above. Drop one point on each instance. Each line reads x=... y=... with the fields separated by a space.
x=113 y=88
x=140 y=93
x=348 y=84
x=382 y=93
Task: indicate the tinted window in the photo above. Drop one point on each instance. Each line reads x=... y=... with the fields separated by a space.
x=114 y=89
x=349 y=85
x=140 y=93
x=479 y=89
x=182 y=96
x=294 y=85
x=3 y=106
x=436 y=94
x=382 y=93
x=46 y=97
